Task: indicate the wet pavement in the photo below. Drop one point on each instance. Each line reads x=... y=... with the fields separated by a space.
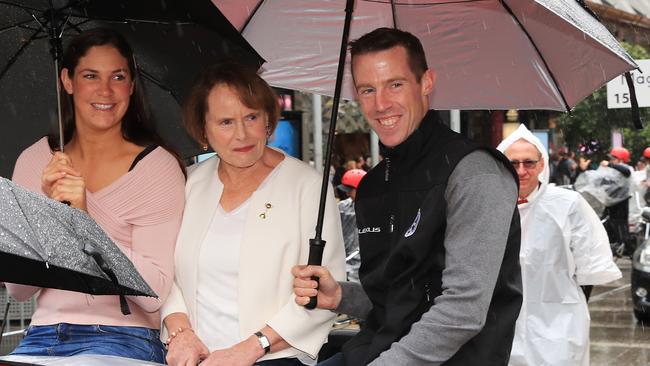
x=616 y=336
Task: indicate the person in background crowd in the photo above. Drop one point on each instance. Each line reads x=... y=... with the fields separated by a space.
x=361 y=163
x=565 y=172
x=638 y=188
x=645 y=181
x=619 y=157
x=563 y=246
x=641 y=164
x=115 y=168
x=349 y=184
x=336 y=181
x=250 y=214
x=618 y=224
x=552 y=166
x=438 y=228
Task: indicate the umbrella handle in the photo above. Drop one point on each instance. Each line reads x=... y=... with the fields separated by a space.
x=316 y=247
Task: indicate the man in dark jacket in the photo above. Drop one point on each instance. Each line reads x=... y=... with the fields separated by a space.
x=438 y=228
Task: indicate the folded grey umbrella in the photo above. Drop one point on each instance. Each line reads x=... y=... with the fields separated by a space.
x=48 y=244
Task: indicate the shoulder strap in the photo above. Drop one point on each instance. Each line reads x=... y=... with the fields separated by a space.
x=142 y=154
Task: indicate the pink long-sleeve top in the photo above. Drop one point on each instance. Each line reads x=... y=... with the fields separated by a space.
x=141 y=211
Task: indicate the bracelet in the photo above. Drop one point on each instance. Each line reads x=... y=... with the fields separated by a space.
x=173 y=335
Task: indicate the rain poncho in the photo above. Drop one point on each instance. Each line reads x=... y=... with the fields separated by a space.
x=603 y=187
x=563 y=246
x=350 y=238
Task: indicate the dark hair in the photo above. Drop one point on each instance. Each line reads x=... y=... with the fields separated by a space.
x=382 y=39
x=252 y=90
x=138 y=125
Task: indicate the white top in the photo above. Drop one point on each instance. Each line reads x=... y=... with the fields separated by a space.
x=270 y=246
x=218 y=279
x=217 y=297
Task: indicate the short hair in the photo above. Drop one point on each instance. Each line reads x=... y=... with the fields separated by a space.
x=382 y=39
x=252 y=90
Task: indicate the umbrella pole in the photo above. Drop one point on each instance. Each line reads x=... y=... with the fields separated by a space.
x=55 y=29
x=58 y=103
x=317 y=244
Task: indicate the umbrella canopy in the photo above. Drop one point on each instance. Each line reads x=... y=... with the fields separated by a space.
x=487 y=54
x=46 y=243
x=172 y=40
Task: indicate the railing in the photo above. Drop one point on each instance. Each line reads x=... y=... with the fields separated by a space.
x=10 y=341
x=18 y=318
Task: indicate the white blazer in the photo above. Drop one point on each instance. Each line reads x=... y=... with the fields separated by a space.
x=270 y=247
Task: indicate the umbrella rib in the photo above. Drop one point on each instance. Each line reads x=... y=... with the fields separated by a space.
x=75 y=26
x=13 y=59
x=159 y=84
x=19 y=5
x=427 y=3
x=257 y=7
x=532 y=42
x=17 y=25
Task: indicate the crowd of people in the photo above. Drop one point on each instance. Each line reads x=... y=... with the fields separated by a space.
x=457 y=254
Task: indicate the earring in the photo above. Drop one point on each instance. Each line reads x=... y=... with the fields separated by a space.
x=204 y=147
x=268 y=130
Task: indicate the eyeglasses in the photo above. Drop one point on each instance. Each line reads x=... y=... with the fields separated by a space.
x=528 y=164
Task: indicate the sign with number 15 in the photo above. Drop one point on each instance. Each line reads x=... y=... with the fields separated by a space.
x=618 y=95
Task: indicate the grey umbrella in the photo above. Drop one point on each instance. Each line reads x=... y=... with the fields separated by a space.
x=48 y=244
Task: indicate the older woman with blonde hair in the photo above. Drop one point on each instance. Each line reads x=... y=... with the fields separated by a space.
x=249 y=214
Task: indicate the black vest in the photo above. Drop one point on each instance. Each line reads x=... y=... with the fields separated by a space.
x=403 y=275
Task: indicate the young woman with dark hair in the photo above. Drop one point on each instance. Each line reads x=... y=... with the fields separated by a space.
x=114 y=168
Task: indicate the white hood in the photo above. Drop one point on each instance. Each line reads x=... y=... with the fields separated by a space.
x=524 y=133
x=563 y=246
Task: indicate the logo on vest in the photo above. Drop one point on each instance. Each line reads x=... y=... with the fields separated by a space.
x=414 y=226
x=369 y=230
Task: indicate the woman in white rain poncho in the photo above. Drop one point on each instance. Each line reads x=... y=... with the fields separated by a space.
x=563 y=246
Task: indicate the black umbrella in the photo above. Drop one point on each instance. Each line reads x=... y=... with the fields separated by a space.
x=172 y=39
x=46 y=243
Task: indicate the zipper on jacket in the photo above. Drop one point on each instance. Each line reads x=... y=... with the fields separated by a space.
x=387 y=169
x=391 y=223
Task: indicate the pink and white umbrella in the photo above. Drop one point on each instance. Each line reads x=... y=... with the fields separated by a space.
x=488 y=54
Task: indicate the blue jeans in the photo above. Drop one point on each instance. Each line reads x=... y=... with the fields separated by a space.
x=71 y=339
x=336 y=360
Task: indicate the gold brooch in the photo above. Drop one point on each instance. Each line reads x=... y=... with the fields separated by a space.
x=267 y=207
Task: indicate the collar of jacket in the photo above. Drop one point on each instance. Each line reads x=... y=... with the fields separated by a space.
x=415 y=145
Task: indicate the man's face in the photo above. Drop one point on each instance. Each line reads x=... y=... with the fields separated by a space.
x=524 y=153
x=392 y=99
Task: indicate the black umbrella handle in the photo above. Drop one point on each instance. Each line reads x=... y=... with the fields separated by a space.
x=124 y=306
x=316 y=247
